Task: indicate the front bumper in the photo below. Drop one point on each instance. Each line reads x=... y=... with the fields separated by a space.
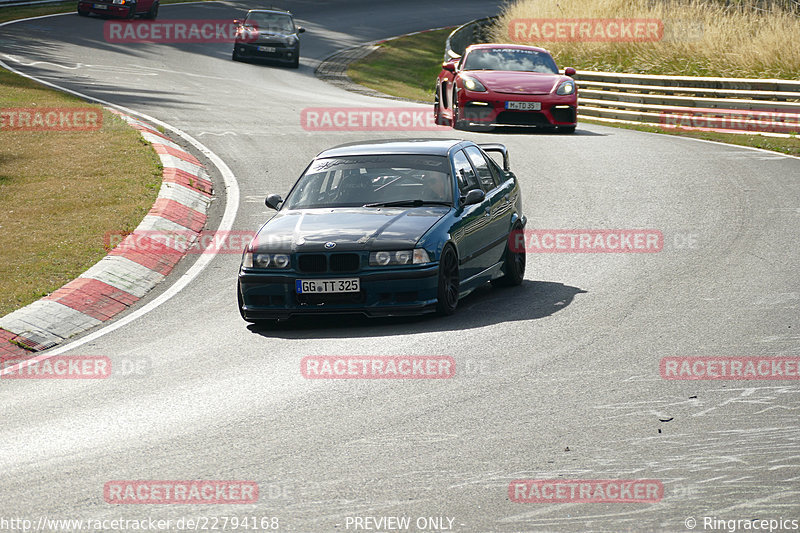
x=280 y=52
x=385 y=292
x=489 y=109
x=111 y=10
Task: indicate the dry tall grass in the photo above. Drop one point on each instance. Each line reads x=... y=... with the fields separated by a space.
x=700 y=37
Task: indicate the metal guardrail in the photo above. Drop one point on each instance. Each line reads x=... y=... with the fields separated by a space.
x=730 y=105
x=470 y=33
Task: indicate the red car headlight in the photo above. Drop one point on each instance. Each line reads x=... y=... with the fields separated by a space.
x=566 y=88
x=472 y=84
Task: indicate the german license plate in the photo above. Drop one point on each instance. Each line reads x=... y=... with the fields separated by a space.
x=266 y=48
x=326 y=286
x=100 y=6
x=524 y=106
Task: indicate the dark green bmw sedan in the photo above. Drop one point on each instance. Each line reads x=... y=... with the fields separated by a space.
x=386 y=228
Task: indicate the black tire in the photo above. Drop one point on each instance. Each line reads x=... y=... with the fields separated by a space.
x=153 y=13
x=132 y=12
x=513 y=266
x=440 y=120
x=83 y=13
x=447 y=293
x=437 y=108
x=566 y=129
x=296 y=63
x=458 y=124
x=235 y=55
x=241 y=302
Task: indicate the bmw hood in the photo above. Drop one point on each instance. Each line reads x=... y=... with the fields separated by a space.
x=510 y=82
x=272 y=37
x=356 y=228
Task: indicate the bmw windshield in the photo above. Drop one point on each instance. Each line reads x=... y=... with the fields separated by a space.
x=271 y=22
x=374 y=181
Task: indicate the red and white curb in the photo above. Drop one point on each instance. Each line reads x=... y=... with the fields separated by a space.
x=129 y=271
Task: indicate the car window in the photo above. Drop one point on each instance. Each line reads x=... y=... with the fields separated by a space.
x=516 y=59
x=467 y=180
x=487 y=180
x=271 y=22
x=360 y=180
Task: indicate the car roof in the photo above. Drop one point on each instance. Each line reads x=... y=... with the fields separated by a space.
x=501 y=45
x=274 y=10
x=394 y=146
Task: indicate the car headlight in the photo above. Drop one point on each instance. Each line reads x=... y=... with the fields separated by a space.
x=566 y=87
x=421 y=256
x=258 y=260
x=280 y=261
x=402 y=257
x=291 y=40
x=119 y=2
x=472 y=84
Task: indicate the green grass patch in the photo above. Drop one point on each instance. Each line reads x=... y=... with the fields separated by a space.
x=742 y=39
x=405 y=67
x=61 y=192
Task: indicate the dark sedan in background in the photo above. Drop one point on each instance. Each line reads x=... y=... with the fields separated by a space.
x=386 y=228
x=268 y=34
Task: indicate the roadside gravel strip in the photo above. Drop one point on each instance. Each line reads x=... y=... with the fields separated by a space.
x=333 y=69
x=130 y=270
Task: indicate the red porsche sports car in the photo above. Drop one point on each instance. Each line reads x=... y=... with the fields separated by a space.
x=506 y=85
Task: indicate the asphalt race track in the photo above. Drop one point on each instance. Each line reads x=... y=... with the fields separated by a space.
x=556 y=379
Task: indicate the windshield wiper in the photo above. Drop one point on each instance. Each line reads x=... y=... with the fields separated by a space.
x=410 y=203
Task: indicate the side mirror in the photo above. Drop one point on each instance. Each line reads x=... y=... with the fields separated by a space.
x=449 y=66
x=301 y=29
x=475 y=196
x=569 y=71
x=273 y=201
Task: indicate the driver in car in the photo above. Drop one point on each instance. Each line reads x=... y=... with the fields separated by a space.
x=436 y=187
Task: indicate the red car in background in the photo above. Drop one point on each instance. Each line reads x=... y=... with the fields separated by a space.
x=506 y=85
x=126 y=9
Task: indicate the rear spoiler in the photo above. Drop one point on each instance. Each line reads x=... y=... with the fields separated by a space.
x=497 y=147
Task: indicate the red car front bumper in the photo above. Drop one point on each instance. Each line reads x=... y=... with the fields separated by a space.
x=103 y=8
x=491 y=108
